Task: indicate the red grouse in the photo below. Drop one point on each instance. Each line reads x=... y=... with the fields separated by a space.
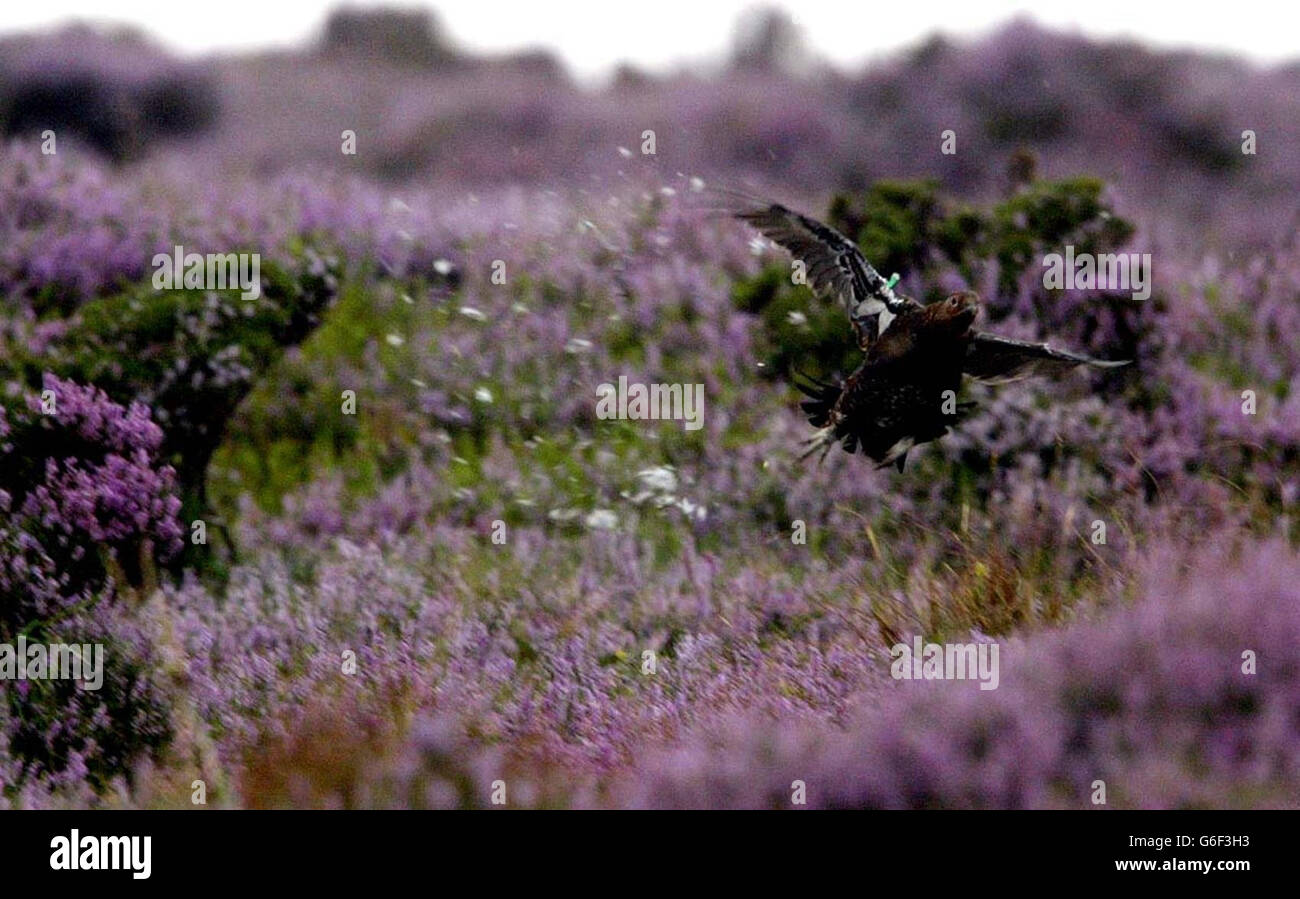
x=904 y=392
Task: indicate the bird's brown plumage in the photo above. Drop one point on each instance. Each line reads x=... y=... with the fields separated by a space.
x=904 y=392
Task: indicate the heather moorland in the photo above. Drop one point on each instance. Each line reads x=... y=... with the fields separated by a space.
x=363 y=540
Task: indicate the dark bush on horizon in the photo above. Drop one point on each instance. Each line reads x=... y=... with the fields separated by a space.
x=116 y=118
x=403 y=36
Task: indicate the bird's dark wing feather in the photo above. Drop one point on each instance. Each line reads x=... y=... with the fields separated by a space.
x=836 y=269
x=999 y=359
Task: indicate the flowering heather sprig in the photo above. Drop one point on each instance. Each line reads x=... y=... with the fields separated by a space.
x=60 y=744
x=77 y=482
x=85 y=415
x=81 y=485
x=114 y=502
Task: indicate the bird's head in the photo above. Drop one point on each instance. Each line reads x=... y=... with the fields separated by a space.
x=956 y=313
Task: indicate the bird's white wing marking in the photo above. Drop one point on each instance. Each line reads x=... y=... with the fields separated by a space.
x=836 y=269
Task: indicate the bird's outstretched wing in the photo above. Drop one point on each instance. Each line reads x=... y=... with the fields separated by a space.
x=836 y=269
x=997 y=360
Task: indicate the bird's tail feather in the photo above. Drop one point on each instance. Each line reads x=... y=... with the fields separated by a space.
x=822 y=397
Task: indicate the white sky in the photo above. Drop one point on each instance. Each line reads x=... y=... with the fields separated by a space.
x=594 y=35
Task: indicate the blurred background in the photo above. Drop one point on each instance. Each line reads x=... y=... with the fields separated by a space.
x=817 y=96
x=593 y=39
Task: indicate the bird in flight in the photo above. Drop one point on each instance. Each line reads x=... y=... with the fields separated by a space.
x=915 y=357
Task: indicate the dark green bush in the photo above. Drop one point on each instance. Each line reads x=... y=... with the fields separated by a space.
x=191 y=356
